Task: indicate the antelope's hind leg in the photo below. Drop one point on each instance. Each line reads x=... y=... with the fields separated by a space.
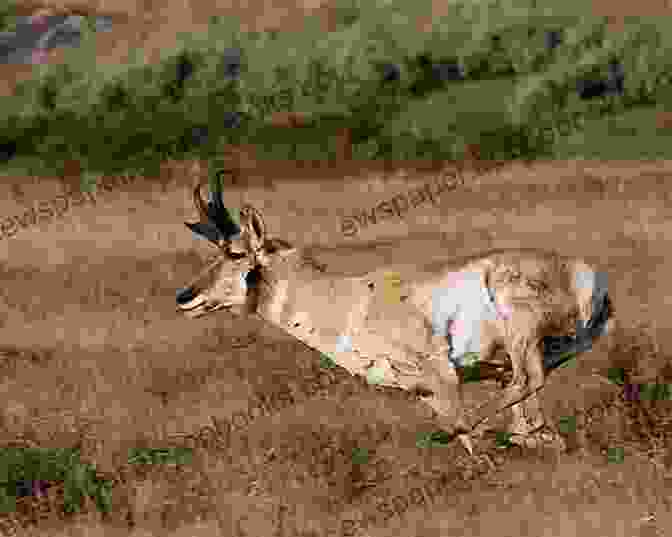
x=527 y=416
x=523 y=396
x=524 y=350
x=529 y=427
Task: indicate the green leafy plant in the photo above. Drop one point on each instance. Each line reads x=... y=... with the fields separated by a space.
x=655 y=391
x=176 y=455
x=38 y=464
x=7 y=17
x=615 y=454
x=327 y=361
x=7 y=501
x=616 y=375
x=79 y=479
x=503 y=439
x=490 y=63
x=567 y=424
x=432 y=439
x=360 y=456
x=472 y=369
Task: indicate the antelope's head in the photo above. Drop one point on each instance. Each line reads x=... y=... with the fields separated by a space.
x=244 y=256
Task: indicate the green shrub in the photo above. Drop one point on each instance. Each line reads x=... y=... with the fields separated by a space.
x=485 y=74
x=39 y=464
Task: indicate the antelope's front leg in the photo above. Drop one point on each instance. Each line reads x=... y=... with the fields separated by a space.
x=446 y=399
x=445 y=384
x=528 y=378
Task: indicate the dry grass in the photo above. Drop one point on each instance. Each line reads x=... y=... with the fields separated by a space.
x=123 y=373
x=94 y=357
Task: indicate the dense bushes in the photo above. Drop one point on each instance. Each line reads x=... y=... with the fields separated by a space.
x=505 y=75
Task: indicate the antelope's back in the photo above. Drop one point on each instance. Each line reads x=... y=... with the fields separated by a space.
x=368 y=314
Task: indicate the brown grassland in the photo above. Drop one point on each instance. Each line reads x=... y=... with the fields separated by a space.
x=94 y=355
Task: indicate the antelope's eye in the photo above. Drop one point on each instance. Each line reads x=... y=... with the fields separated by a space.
x=236 y=256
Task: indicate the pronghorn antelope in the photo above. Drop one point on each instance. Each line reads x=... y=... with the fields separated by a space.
x=520 y=301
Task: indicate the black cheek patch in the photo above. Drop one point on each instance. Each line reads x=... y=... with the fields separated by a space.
x=252 y=277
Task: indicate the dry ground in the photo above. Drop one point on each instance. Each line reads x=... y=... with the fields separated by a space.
x=96 y=356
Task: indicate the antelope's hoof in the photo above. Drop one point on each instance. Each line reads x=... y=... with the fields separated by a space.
x=453 y=429
x=462 y=434
x=542 y=439
x=466 y=442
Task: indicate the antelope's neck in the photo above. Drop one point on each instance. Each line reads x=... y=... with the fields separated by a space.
x=315 y=308
x=289 y=309
x=285 y=297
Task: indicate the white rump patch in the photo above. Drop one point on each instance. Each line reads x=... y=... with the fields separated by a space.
x=457 y=313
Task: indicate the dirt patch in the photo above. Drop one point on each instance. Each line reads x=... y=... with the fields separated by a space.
x=94 y=356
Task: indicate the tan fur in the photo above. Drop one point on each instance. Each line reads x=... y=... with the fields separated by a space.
x=297 y=293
